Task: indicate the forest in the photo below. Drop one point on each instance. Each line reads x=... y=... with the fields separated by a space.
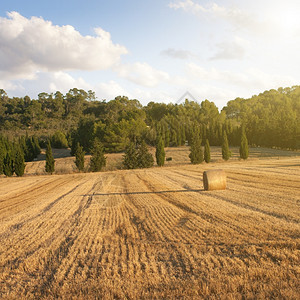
x=270 y=119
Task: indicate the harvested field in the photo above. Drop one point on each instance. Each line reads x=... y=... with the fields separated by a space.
x=153 y=233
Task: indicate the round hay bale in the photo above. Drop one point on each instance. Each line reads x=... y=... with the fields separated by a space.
x=214 y=180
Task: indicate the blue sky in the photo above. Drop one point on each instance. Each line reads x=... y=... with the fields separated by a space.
x=150 y=50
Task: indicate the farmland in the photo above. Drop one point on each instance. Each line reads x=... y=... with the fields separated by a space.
x=153 y=233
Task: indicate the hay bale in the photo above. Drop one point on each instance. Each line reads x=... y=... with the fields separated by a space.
x=214 y=180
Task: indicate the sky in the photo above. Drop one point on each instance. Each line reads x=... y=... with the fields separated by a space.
x=150 y=50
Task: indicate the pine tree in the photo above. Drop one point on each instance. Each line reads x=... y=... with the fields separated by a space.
x=160 y=152
x=144 y=157
x=226 y=153
x=130 y=157
x=19 y=163
x=50 y=162
x=196 y=154
x=79 y=157
x=244 y=151
x=207 y=151
x=98 y=160
x=8 y=167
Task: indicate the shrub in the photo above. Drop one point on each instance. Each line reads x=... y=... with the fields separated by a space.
x=59 y=140
x=130 y=157
x=137 y=156
x=144 y=157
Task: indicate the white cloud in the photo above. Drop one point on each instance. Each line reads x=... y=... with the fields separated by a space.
x=110 y=90
x=234 y=49
x=239 y=18
x=179 y=54
x=31 y=45
x=249 y=79
x=142 y=74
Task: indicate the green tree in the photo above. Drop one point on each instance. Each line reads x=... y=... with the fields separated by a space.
x=98 y=160
x=8 y=168
x=19 y=163
x=226 y=153
x=196 y=152
x=160 y=152
x=59 y=140
x=130 y=157
x=2 y=156
x=144 y=157
x=79 y=157
x=50 y=162
x=207 y=151
x=37 y=148
x=244 y=151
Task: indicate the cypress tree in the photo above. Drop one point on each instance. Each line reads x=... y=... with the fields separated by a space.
x=226 y=153
x=19 y=164
x=196 y=154
x=207 y=151
x=160 y=152
x=244 y=151
x=79 y=157
x=130 y=157
x=2 y=156
x=37 y=148
x=8 y=167
x=49 y=159
x=144 y=157
x=98 y=160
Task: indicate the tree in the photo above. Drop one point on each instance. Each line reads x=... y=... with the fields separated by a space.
x=244 y=151
x=8 y=166
x=50 y=162
x=207 y=151
x=37 y=148
x=130 y=157
x=144 y=157
x=226 y=153
x=59 y=140
x=79 y=157
x=160 y=152
x=2 y=156
x=19 y=163
x=196 y=154
x=98 y=160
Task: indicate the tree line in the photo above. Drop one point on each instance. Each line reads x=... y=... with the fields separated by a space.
x=269 y=119
x=77 y=119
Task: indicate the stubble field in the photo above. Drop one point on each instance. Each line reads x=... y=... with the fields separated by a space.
x=153 y=233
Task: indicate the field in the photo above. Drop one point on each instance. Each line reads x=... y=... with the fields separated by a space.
x=153 y=233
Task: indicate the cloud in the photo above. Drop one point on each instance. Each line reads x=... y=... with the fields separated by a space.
x=142 y=74
x=239 y=18
x=235 y=49
x=249 y=79
x=110 y=90
x=31 y=45
x=178 y=54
